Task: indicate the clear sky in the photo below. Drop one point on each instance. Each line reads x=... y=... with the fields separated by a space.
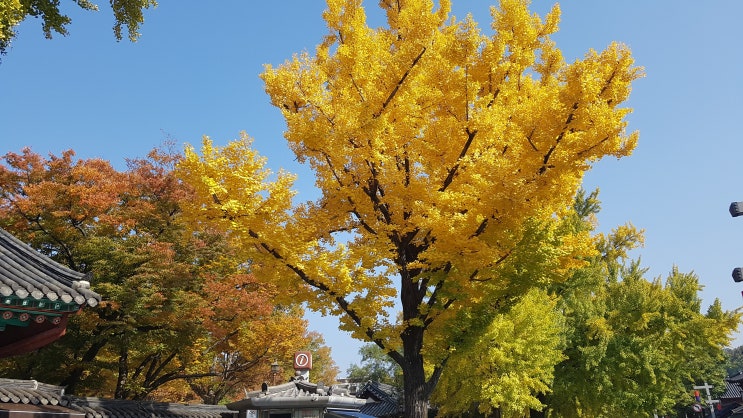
x=195 y=72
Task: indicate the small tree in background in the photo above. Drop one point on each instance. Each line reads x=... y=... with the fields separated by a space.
x=734 y=363
x=376 y=366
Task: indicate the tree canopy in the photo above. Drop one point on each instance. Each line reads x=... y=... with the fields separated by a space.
x=435 y=146
x=509 y=366
x=376 y=366
x=177 y=307
x=128 y=14
x=606 y=342
x=637 y=346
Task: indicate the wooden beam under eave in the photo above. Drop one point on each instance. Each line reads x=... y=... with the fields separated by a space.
x=33 y=341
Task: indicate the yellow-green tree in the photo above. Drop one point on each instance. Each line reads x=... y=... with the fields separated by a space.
x=433 y=143
x=509 y=366
x=605 y=343
x=635 y=347
x=506 y=360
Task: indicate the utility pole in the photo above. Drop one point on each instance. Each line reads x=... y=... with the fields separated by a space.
x=710 y=401
x=736 y=209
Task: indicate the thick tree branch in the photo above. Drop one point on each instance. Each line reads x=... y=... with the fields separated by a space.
x=339 y=299
x=373 y=190
x=453 y=170
x=433 y=380
x=432 y=301
x=528 y=138
x=358 y=90
x=473 y=276
x=608 y=102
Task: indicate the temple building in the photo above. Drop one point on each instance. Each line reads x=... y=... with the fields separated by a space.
x=299 y=399
x=37 y=296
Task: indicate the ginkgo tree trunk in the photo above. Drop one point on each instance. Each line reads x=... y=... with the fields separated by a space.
x=433 y=144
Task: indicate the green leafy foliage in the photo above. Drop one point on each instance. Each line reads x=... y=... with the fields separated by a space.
x=127 y=14
x=508 y=366
x=734 y=363
x=602 y=342
x=376 y=366
x=634 y=346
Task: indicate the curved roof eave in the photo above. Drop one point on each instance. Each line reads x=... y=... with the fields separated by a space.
x=307 y=401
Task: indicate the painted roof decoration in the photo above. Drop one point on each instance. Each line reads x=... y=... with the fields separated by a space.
x=37 y=295
x=26 y=272
x=35 y=397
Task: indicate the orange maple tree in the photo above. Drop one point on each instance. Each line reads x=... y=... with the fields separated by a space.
x=171 y=308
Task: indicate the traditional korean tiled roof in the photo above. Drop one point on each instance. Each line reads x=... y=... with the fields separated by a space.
x=385 y=399
x=26 y=275
x=733 y=389
x=31 y=396
x=116 y=408
x=37 y=295
x=30 y=392
x=298 y=394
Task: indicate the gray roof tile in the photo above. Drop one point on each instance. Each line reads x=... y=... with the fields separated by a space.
x=24 y=273
x=29 y=392
x=298 y=394
x=733 y=389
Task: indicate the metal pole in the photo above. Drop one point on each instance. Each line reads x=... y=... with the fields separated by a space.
x=710 y=401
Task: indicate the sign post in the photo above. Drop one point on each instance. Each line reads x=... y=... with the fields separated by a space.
x=710 y=401
x=302 y=364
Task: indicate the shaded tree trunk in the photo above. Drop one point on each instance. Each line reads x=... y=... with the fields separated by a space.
x=120 y=392
x=73 y=378
x=417 y=389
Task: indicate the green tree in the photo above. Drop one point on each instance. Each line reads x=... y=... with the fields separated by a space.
x=433 y=146
x=506 y=361
x=127 y=14
x=634 y=346
x=376 y=366
x=606 y=343
x=734 y=363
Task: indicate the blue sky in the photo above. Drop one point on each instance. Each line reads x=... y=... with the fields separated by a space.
x=195 y=72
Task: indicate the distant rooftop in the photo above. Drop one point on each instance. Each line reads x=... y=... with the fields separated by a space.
x=298 y=394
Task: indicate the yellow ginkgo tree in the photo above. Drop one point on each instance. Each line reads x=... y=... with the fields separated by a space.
x=434 y=145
